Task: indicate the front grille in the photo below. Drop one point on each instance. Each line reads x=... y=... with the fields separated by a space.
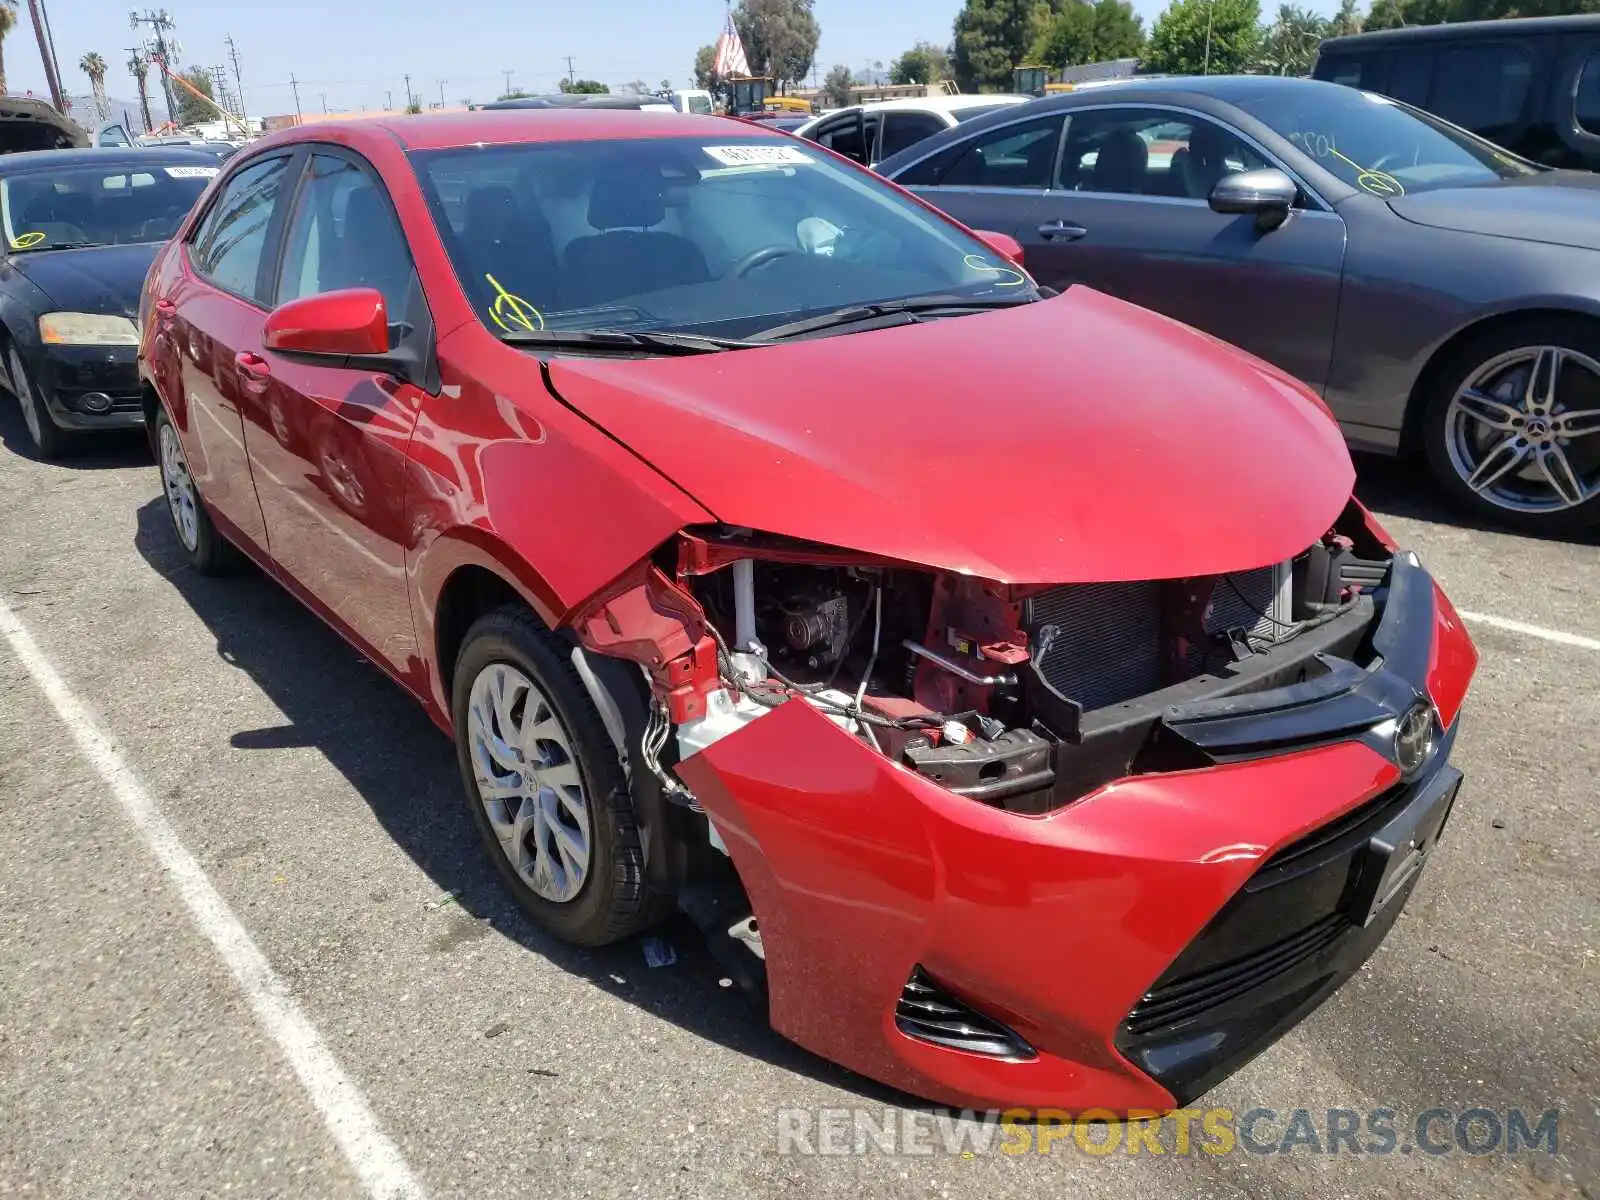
x=1344 y=833
x=930 y=1014
x=1104 y=641
x=1196 y=994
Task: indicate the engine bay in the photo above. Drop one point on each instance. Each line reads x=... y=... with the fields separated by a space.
x=1024 y=697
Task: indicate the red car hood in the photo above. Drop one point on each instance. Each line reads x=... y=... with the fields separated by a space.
x=1078 y=439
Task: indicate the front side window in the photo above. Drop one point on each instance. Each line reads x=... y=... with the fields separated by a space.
x=1378 y=145
x=228 y=245
x=853 y=136
x=724 y=237
x=700 y=104
x=116 y=204
x=1588 y=96
x=1148 y=152
x=344 y=235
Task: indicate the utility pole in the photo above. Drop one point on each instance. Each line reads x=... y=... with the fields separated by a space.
x=507 y=92
x=55 y=63
x=51 y=75
x=160 y=22
x=571 y=79
x=388 y=99
x=1211 y=12
x=238 y=79
x=294 y=86
x=323 y=96
x=442 y=82
x=409 y=100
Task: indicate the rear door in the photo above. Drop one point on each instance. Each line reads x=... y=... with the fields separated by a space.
x=1129 y=215
x=213 y=312
x=995 y=180
x=328 y=442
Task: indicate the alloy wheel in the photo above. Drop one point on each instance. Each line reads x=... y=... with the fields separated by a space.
x=179 y=488
x=528 y=781
x=1523 y=432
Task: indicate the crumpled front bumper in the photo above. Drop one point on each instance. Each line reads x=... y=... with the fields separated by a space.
x=860 y=871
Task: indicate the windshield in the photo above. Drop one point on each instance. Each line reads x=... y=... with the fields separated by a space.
x=116 y=204
x=725 y=237
x=700 y=104
x=1378 y=145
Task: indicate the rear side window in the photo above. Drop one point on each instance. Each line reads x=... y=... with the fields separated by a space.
x=907 y=129
x=1013 y=156
x=228 y=245
x=1481 y=88
x=1411 y=77
x=1342 y=68
x=1588 y=97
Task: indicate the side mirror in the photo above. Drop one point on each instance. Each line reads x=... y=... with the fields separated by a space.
x=340 y=324
x=1003 y=244
x=1267 y=195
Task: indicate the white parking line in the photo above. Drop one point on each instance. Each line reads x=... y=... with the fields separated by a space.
x=376 y=1160
x=1549 y=635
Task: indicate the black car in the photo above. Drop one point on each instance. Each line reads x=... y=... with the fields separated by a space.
x=1531 y=85
x=80 y=229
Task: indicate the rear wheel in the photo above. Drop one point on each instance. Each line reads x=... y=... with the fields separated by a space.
x=545 y=785
x=49 y=439
x=207 y=550
x=1513 y=425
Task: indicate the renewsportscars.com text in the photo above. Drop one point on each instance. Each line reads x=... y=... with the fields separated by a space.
x=843 y=1132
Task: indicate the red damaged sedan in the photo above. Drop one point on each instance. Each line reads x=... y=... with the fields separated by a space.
x=1008 y=684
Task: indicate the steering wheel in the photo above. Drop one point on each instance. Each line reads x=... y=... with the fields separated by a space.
x=760 y=258
x=1383 y=162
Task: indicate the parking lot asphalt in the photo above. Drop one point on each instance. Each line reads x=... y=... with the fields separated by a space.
x=322 y=810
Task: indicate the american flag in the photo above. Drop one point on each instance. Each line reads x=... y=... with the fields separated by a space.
x=730 y=61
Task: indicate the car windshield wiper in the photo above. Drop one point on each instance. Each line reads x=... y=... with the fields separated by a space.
x=910 y=308
x=57 y=246
x=602 y=340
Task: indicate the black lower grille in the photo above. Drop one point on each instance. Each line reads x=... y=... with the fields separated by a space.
x=1195 y=994
x=930 y=1014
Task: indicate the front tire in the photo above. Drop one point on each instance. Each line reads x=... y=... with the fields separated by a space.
x=1512 y=425
x=206 y=550
x=544 y=783
x=49 y=439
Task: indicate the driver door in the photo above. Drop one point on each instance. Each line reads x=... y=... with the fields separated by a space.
x=1128 y=214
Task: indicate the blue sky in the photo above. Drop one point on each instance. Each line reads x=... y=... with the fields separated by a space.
x=347 y=61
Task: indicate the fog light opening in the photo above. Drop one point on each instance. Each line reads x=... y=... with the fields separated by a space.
x=95 y=402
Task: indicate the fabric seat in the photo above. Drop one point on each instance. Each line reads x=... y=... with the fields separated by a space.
x=628 y=256
x=1122 y=163
x=511 y=243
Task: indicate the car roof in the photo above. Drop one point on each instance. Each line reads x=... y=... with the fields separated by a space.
x=939 y=103
x=1510 y=27
x=509 y=126
x=107 y=156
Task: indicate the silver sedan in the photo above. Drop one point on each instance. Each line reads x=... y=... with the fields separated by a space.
x=1442 y=294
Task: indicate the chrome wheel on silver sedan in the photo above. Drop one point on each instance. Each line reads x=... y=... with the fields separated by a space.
x=1514 y=431
x=529 y=782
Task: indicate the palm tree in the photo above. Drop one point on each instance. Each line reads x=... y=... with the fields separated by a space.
x=1346 y=20
x=1291 y=42
x=8 y=21
x=92 y=65
x=139 y=68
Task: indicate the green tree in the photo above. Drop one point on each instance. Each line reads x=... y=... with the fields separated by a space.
x=1205 y=37
x=7 y=24
x=587 y=87
x=1347 y=20
x=1289 y=45
x=994 y=36
x=780 y=37
x=836 y=86
x=92 y=65
x=513 y=94
x=923 y=63
x=191 y=109
x=414 y=107
x=1089 y=33
x=705 y=69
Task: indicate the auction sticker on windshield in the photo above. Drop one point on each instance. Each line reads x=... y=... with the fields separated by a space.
x=192 y=172
x=749 y=156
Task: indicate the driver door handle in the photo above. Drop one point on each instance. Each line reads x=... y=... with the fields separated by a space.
x=1061 y=231
x=253 y=370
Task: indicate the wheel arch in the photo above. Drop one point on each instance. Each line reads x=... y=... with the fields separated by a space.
x=1411 y=430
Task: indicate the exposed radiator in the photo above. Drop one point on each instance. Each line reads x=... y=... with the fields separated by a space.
x=1106 y=645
